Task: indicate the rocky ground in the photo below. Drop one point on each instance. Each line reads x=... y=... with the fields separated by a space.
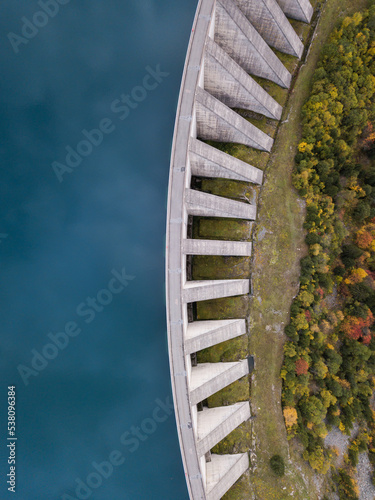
x=364 y=472
x=336 y=439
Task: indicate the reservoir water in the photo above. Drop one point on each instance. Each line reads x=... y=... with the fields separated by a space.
x=88 y=94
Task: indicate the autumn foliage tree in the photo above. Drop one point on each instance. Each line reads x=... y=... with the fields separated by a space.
x=356 y=327
x=364 y=239
x=302 y=366
x=290 y=416
x=367 y=142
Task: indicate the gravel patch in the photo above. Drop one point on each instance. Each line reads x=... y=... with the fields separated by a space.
x=363 y=476
x=337 y=439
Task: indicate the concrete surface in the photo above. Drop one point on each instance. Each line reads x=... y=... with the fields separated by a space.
x=217 y=122
x=203 y=334
x=208 y=378
x=228 y=82
x=236 y=35
x=207 y=161
x=301 y=10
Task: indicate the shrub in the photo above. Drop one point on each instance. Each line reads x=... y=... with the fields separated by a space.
x=362 y=211
x=339 y=271
x=312 y=238
x=277 y=465
x=371 y=456
x=348 y=488
x=291 y=332
x=361 y=291
x=353 y=455
x=351 y=251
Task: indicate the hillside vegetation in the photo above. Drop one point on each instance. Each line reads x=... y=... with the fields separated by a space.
x=329 y=358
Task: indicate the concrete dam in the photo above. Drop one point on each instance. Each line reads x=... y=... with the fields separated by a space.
x=232 y=41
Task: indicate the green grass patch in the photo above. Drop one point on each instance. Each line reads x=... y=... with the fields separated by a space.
x=236 y=442
x=278 y=93
x=302 y=29
x=241 y=489
x=233 y=393
x=224 y=308
x=236 y=190
x=289 y=61
x=218 y=267
x=221 y=229
x=242 y=152
x=263 y=123
x=231 y=350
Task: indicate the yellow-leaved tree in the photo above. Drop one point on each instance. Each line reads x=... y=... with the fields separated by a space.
x=290 y=416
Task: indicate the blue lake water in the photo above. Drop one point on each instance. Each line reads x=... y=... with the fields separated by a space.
x=64 y=244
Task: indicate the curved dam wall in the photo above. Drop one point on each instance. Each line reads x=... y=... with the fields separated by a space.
x=231 y=40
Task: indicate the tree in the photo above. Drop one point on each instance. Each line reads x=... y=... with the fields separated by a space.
x=302 y=366
x=368 y=141
x=306 y=298
x=317 y=460
x=364 y=239
x=356 y=276
x=327 y=397
x=362 y=210
x=277 y=465
x=290 y=417
x=289 y=350
x=347 y=486
x=320 y=369
x=313 y=410
x=361 y=292
x=350 y=253
x=356 y=327
x=333 y=361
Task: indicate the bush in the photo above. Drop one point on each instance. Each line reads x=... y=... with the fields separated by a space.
x=347 y=487
x=353 y=455
x=291 y=332
x=361 y=291
x=350 y=253
x=362 y=211
x=371 y=456
x=339 y=271
x=277 y=465
x=325 y=281
x=312 y=238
